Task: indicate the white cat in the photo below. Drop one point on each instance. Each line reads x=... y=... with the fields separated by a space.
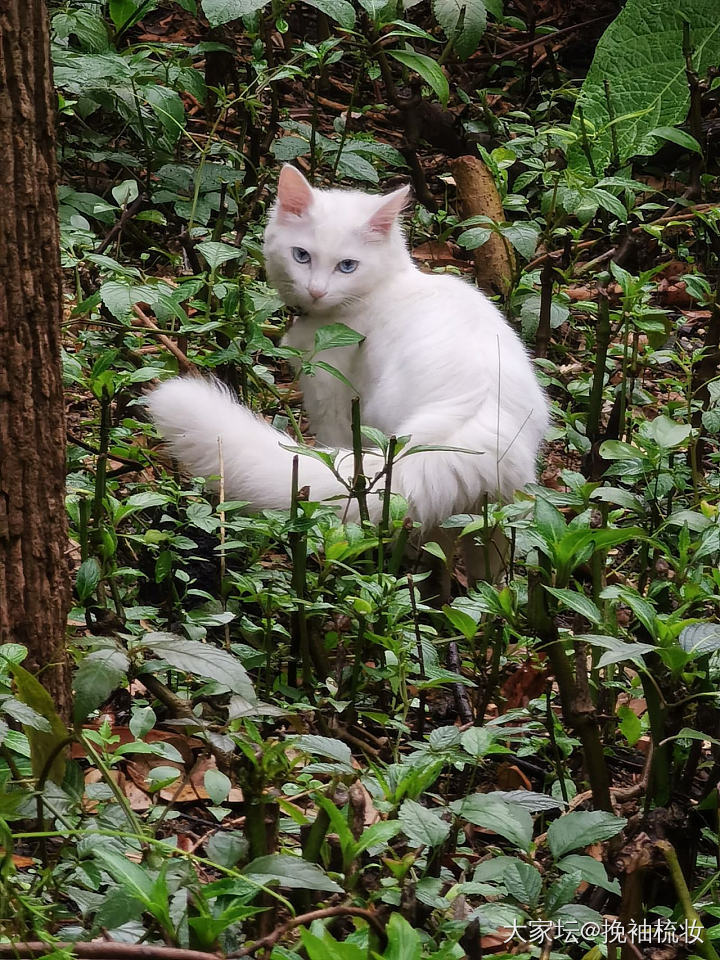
x=438 y=363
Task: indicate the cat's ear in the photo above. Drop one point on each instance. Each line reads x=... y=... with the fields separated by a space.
x=392 y=206
x=294 y=194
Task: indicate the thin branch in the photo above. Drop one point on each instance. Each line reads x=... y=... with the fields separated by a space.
x=185 y=365
x=306 y=918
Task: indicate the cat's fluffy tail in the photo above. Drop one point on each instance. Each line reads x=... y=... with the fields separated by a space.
x=200 y=417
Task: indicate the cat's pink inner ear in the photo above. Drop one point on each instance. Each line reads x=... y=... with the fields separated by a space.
x=294 y=192
x=389 y=210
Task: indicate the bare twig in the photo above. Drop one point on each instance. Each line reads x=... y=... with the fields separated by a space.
x=103 y=950
x=272 y=938
x=128 y=213
x=185 y=365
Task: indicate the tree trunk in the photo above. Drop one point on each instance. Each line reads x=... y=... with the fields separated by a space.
x=34 y=592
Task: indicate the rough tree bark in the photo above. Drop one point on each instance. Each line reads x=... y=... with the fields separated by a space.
x=34 y=591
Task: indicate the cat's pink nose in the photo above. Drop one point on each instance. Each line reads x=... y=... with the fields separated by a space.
x=316 y=292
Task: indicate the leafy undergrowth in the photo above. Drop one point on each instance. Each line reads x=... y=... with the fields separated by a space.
x=272 y=720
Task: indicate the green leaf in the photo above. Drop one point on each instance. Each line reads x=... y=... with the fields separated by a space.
x=463 y=21
x=42 y=744
x=101 y=672
x=327 y=947
x=326 y=747
x=435 y=550
x=201 y=659
x=378 y=10
x=25 y=714
x=88 y=577
x=618 y=450
x=474 y=238
x=336 y=335
x=422 y=826
x=357 y=168
x=404 y=942
x=135 y=880
x=590 y=870
x=289 y=871
x=680 y=137
x=531 y=801
x=665 y=432
x=218 y=253
x=226 y=847
x=223 y=11
x=523 y=881
x=640 y=55
x=378 y=835
x=549 y=521
x=217 y=785
x=523 y=236
x=618 y=650
x=700 y=639
x=581 y=828
x=508 y=820
x=341 y=11
x=577 y=602
x=561 y=892
x=629 y=724
x=428 y=69
x=462 y=621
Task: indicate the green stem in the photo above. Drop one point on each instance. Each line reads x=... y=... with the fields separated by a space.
x=704 y=946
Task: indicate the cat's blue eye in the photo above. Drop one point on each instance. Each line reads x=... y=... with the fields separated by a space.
x=302 y=256
x=347 y=266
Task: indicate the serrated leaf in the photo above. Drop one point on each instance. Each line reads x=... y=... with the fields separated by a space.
x=508 y=820
x=561 y=892
x=428 y=69
x=101 y=672
x=24 y=714
x=326 y=747
x=523 y=236
x=218 y=253
x=640 y=55
x=357 y=168
x=533 y=802
x=289 y=871
x=580 y=828
x=523 y=882
x=201 y=659
x=422 y=826
x=590 y=870
x=223 y=11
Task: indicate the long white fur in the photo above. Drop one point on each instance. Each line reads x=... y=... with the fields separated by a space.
x=438 y=363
